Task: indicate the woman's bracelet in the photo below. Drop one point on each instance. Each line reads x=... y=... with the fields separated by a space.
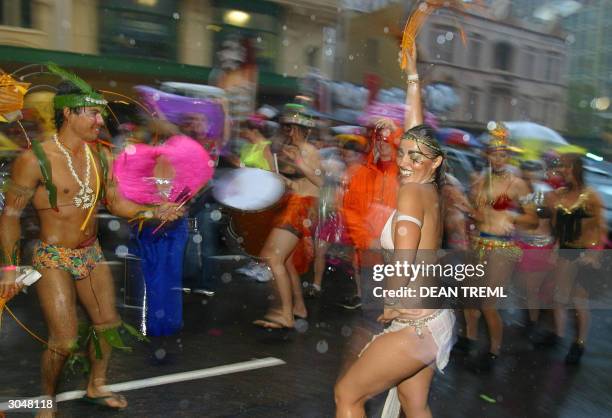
x=412 y=79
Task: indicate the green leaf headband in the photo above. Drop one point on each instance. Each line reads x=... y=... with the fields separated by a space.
x=294 y=115
x=88 y=97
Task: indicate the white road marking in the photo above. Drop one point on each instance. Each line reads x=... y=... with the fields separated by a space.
x=173 y=378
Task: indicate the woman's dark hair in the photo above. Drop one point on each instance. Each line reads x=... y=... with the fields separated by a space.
x=577 y=167
x=425 y=137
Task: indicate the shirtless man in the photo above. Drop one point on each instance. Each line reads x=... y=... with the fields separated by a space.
x=295 y=222
x=64 y=178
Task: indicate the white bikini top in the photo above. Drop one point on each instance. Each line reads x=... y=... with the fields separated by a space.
x=386 y=236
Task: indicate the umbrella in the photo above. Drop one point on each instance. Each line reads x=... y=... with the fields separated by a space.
x=457 y=137
x=173 y=108
x=534 y=139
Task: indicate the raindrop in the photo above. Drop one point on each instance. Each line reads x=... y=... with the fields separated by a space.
x=130 y=149
x=204 y=301
x=121 y=251
x=156 y=97
x=423 y=6
x=211 y=163
x=346 y=331
x=285 y=42
x=513 y=102
x=284 y=27
x=466 y=138
x=259 y=39
x=160 y=353
x=402 y=231
x=322 y=346
x=112 y=83
x=307 y=223
x=160 y=313
x=114 y=225
x=284 y=75
x=295 y=67
x=441 y=39
x=301 y=325
x=351 y=57
x=226 y=277
x=313 y=17
x=132 y=41
x=328 y=52
x=197 y=238
x=449 y=36
x=176 y=16
x=570 y=39
x=491 y=125
x=386 y=29
x=215 y=215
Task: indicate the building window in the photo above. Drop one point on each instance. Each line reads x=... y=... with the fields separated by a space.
x=16 y=13
x=500 y=104
x=475 y=50
x=502 y=56
x=138 y=28
x=312 y=56
x=525 y=108
x=256 y=23
x=529 y=63
x=472 y=105
x=553 y=64
x=442 y=39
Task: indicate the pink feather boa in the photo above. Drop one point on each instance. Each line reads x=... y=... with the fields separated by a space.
x=134 y=169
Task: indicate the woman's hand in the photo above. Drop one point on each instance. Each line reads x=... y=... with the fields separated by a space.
x=168 y=212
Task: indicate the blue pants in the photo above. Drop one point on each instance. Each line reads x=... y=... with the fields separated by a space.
x=162 y=267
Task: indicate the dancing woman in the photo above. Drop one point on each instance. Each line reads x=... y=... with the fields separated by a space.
x=415 y=338
x=497 y=196
x=579 y=225
x=292 y=228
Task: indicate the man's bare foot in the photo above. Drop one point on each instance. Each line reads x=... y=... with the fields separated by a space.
x=101 y=397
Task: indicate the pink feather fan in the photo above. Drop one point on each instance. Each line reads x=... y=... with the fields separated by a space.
x=134 y=169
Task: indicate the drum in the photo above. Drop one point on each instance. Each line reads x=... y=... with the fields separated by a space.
x=249 y=189
x=252 y=198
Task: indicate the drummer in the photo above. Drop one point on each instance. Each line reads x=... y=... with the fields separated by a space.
x=289 y=246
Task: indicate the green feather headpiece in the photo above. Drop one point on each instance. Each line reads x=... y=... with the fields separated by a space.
x=88 y=96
